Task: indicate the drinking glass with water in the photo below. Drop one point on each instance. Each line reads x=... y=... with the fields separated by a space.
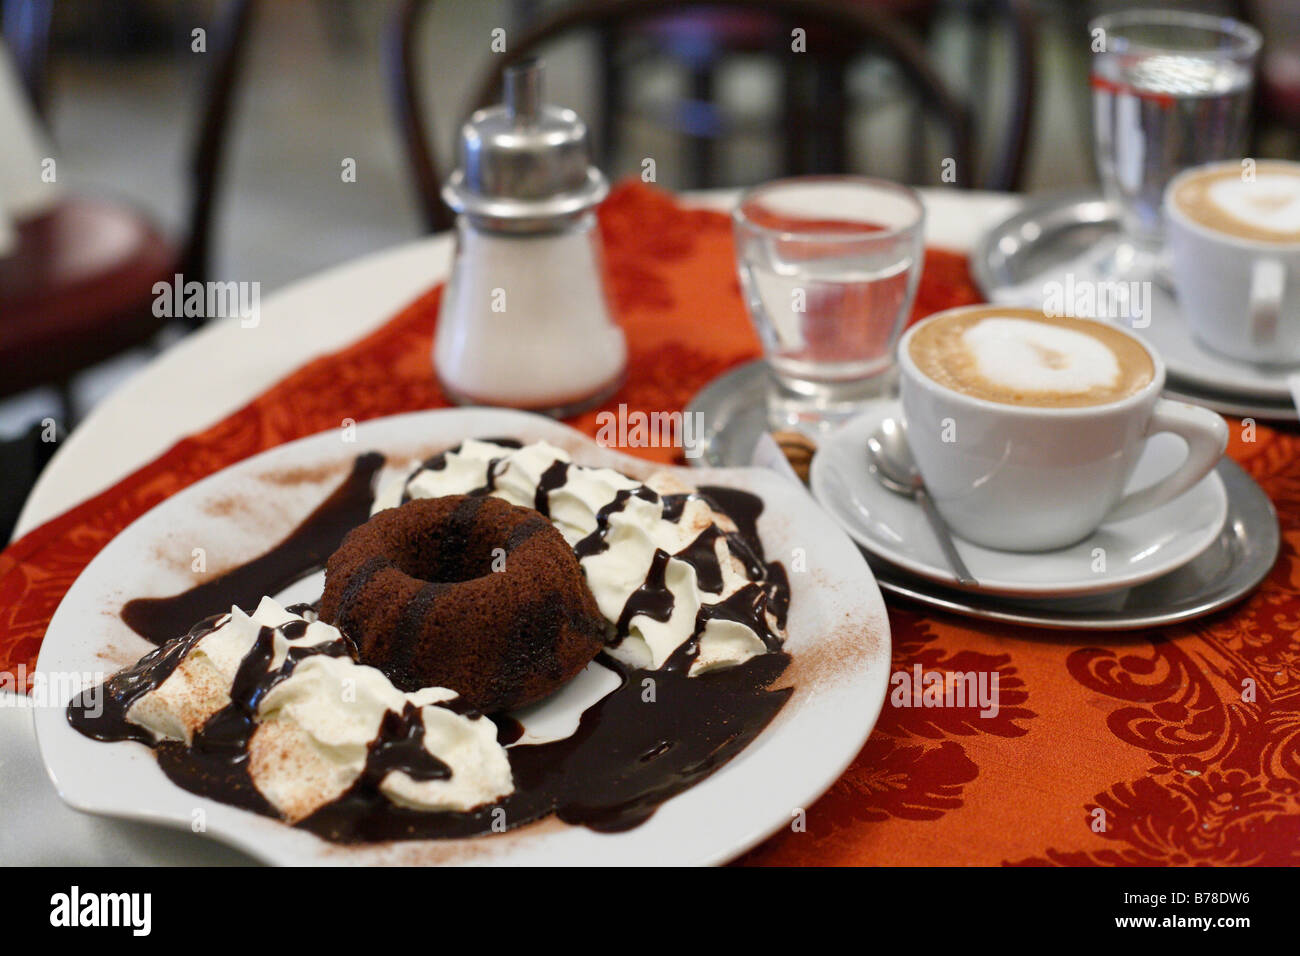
x=829 y=267
x=1170 y=90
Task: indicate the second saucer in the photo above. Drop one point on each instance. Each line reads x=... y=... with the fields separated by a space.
x=1117 y=555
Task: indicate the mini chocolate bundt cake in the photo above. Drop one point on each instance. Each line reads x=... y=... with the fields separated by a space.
x=466 y=592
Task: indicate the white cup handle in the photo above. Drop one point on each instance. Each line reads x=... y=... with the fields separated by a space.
x=1206 y=435
x=1267 y=286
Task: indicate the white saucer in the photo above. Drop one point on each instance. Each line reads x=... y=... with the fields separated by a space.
x=893 y=527
x=1187 y=359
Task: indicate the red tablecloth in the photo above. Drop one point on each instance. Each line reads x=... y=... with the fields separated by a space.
x=1188 y=738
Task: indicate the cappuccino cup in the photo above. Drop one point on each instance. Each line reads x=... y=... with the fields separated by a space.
x=1026 y=427
x=1233 y=234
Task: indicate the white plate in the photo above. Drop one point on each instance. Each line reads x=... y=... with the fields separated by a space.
x=1136 y=550
x=1186 y=358
x=838 y=637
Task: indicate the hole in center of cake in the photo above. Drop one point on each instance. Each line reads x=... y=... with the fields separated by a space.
x=450 y=559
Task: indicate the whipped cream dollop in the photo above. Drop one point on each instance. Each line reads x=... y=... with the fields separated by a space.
x=668 y=571
x=1036 y=357
x=320 y=720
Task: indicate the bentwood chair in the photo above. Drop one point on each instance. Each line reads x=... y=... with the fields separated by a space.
x=846 y=32
x=704 y=42
x=78 y=288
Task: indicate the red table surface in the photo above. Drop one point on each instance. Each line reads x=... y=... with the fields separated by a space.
x=1187 y=738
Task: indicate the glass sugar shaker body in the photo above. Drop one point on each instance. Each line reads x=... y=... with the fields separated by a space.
x=525 y=320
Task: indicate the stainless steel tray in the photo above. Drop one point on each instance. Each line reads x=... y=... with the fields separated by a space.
x=1231 y=404
x=734 y=416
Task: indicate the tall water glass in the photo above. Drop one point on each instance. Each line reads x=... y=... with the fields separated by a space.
x=829 y=267
x=1170 y=90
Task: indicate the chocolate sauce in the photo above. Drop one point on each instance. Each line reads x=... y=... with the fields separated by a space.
x=652 y=599
x=657 y=734
x=743 y=509
x=747 y=606
x=216 y=761
x=703 y=554
x=438 y=462
x=400 y=746
x=230 y=729
x=778 y=592
x=553 y=477
x=509 y=730
x=595 y=542
x=674 y=506
x=750 y=605
x=490 y=484
x=108 y=702
x=303 y=552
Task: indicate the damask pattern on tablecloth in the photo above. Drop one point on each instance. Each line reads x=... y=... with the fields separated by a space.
x=1215 y=705
x=1184 y=768
x=914 y=766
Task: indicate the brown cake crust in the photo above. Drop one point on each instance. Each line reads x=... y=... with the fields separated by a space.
x=414 y=588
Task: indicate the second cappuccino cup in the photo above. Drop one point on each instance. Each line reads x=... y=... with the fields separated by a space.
x=1233 y=233
x=1026 y=428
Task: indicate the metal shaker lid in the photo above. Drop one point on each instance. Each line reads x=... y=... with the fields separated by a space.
x=523 y=163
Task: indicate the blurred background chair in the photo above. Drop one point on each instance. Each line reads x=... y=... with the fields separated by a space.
x=78 y=289
x=808 y=127
x=710 y=91
x=25 y=26
x=24 y=456
x=1277 y=101
x=815 y=90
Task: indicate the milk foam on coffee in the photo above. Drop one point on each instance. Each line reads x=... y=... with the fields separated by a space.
x=1270 y=202
x=1020 y=357
x=1032 y=357
x=1264 y=207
